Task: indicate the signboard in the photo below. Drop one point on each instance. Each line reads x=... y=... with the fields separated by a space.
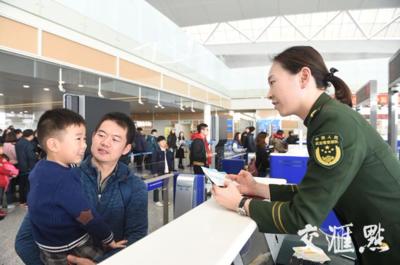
x=383 y=99
x=263 y=125
x=167 y=130
x=394 y=69
x=363 y=94
x=229 y=126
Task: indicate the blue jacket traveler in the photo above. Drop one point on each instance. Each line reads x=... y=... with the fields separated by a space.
x=26 y=155
x=130 y=222
x=157 y=159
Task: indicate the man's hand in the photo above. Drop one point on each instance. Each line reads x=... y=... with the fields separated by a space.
x=228 y=197
x=79 y=261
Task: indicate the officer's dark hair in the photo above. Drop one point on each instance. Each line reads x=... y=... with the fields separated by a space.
x=295 y=58
x=260 y=139
x=201 y=126
x=52 y=123
x=124 y=121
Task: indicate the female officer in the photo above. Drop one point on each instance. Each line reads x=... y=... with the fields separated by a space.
x=350 y=168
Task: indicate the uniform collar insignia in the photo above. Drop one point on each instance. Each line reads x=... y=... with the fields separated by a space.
x=316 y=108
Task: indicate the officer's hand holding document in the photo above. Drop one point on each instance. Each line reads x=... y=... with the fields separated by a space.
x=216 y=177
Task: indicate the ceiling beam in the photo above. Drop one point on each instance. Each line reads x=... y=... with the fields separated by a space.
x=358 y=24
x=326 y=24
x=211 y=33
x=385 y=26
x=265 y=29
x=240 y=32
x=294 y=25
x=323 y=46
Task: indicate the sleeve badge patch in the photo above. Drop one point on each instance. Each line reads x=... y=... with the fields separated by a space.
x=328 y=150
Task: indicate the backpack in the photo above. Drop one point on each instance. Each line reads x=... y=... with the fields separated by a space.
x=253 y=168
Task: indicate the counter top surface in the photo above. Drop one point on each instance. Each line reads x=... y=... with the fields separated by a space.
x=208 y=234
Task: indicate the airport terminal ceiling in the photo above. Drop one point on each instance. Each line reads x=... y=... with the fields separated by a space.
x=28 y=86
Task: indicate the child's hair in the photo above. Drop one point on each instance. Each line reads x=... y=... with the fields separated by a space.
x=4 y=156
x=53 y=122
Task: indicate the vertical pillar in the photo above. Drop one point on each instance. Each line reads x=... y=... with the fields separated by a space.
x=207 y=119
x=393 y=116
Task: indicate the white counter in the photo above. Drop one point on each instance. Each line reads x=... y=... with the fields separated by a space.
x=208 y=234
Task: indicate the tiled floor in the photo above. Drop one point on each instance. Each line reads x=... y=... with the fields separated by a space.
x=10 y=224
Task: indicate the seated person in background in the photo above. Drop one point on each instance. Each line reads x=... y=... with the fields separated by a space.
x=161 y=164
x=292 y=139
x=279 y=145
x=236 y=144
x=262 y=154
x=61 y=216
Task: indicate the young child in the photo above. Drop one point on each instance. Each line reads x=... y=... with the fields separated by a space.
x=161 y=164
x=61 y=216
x=8 y=165
x=4 y=181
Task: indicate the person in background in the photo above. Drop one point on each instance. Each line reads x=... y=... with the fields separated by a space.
x=180 y=151
x=279 y=144
x=292 y=139
x=10 y=151
x=350 y=168
x=104 y=181
x=160 y=164
x=262 y=154
x=192 y=135
x=236 y=144
x=5 y=132
x=171 y=141
x=244 y=137
x=151 y=140
x=251 y=146
x=27 y=159
x=140 y=147
x=18 y=133
x=199 y=150
x=9 y=165
x=5 y=175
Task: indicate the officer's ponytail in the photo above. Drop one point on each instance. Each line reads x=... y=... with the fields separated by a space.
x=297 y=57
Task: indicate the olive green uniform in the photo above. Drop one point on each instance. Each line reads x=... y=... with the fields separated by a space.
x=351 y=170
